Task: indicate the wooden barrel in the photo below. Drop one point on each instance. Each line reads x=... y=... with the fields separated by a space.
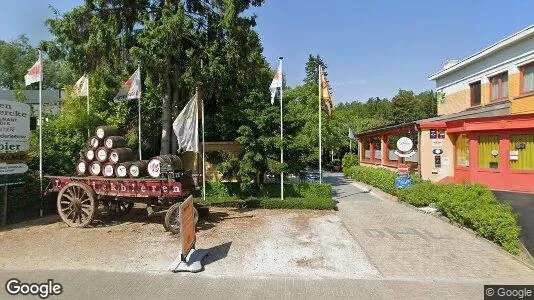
x=120 y=155
x=121 y=169
x=95 y=168
x=154 y=165
x=81 y=167
x=112 y=142
x=89 y=155
x=94 y=142
x=102 y=154
x=138 y=169
x=103 y=132
x=108 y=170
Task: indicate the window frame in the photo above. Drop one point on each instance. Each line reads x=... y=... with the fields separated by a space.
x=500 y=96
x=471 y=92
x=522 y=79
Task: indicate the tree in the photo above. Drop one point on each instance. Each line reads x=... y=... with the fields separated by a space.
x=312 y=69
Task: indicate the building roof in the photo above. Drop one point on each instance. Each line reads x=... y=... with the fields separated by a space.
x=485 y=52
x=32 y=96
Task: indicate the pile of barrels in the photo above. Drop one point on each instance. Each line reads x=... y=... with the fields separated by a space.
x=108 y=156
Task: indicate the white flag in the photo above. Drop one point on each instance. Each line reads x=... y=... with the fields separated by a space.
x=351 y=134
x=35 y=73
x=185 y=126
x=131 y=89
x=81 y=88
x=277 y=82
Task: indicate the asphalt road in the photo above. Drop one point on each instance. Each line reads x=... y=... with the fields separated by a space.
x=523 y=206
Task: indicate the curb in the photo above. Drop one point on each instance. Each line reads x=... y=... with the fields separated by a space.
x=388 y=197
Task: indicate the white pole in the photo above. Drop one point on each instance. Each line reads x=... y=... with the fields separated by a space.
x=281 y=133
x=320 y=128
x=88 y=131
x=350 y=145
x=139 y=112
x=41 y=128
x=203 y=153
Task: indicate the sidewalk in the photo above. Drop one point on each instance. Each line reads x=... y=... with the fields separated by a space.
x=403 y=243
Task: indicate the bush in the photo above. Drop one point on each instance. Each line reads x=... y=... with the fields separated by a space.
x=218 y=189
x=272 y=203
x=349 y=160
x=472 y=206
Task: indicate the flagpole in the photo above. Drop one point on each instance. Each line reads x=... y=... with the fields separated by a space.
x=41 y=128
x=281 y=134
x=320 y=128
x=139 y=111
x=88 y=130
x=203 y=150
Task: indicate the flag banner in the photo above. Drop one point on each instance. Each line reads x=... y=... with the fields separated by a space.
x=351 y=134
x=35 y=73
x=277 y=82
x=325 y=94
x=185 y=126
x=81 y=88
x=131 y=89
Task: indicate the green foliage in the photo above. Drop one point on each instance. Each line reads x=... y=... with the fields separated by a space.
x=349 y=160
x=472 y=206
x=272 y=203
x=218 y=189
x=312 y=69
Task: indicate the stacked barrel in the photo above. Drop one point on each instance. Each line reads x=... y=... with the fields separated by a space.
x=108 y=156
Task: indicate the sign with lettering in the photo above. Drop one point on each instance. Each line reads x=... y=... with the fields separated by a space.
x=14 y=126
x=433 y=133
x=187 y=226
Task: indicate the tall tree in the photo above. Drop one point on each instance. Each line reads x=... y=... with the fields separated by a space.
x=312 y=69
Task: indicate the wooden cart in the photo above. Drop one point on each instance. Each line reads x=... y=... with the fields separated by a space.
x=79 y=197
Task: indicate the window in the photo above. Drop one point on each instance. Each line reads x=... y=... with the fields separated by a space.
x=462 y=151
x=392 y=145
x=527 y=78
x=367 y=149
x=499 y=87
x=522 y=152
x=475 y=93
x=488 y=152
x=377 y=143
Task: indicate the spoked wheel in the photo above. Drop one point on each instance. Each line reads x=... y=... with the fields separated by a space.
x=117 y=208
x=76 y=204
x=172 y=218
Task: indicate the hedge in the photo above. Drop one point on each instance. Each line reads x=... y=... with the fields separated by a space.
x=472 y=206
x=220 y=189
x=271 y=203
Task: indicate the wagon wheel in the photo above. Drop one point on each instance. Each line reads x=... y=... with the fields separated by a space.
x=76 y=204
x=117 y=208
x=172 y=218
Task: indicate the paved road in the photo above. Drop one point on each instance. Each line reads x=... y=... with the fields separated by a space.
x=417 y=256
x=523 y=206
x=402 y=242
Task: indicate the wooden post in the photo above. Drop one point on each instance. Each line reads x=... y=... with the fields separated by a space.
x=4 y=207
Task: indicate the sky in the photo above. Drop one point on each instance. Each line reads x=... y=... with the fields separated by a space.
x=371 y=48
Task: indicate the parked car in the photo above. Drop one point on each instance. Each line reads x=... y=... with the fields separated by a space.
x=309 y=176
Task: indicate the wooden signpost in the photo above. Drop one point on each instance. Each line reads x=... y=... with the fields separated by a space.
x=187 y=227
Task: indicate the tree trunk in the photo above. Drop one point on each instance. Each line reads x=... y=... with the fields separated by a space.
x=166 y=118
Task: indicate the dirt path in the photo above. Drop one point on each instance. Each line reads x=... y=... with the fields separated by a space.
x=241 y=242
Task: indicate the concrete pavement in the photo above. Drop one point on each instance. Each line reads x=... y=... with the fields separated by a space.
x=404 y=243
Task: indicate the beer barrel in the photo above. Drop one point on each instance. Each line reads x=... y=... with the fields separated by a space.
x=95 y=168
x=102 y=154
x=90 y=155
x=138 y=169
x=121 y=169
x=103 y=132
x=120 y=155
x=154 y=165
x=109 y=170
x=94 y=142
x=81 y=167
x=114 y=141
